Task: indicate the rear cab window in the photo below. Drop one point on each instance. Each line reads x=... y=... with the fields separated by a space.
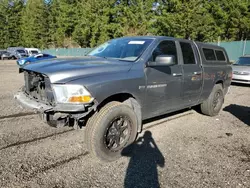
x=209 y=54
x=220 y=55
x=214 y=54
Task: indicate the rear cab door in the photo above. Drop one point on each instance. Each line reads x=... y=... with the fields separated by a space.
x=192 y=73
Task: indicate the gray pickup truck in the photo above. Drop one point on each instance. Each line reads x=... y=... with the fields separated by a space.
x=125 y=81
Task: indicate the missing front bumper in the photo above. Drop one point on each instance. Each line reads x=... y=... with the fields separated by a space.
x=59 y=116
x=29 y=103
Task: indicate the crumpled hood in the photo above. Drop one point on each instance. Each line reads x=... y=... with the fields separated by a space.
x=65 y=70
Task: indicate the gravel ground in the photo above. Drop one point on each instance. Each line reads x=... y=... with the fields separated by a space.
x=184 y=149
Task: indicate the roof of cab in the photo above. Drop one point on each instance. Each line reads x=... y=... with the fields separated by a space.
x=147 y=37
x=207 y=45
x=201 y=44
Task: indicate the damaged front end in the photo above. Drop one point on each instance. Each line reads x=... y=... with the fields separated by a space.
x=39 y=95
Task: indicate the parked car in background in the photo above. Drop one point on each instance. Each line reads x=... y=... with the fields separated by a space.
x=241 y=70
x=23 y=61
x=4 y=55
x=32 y=51
x=17 y=52
x=123 y=82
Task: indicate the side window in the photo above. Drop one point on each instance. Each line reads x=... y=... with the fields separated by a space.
x=188 y=53
x=165 y=48
x=220 y=55
x=209 y=54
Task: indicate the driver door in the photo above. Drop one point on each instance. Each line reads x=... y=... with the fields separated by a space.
x=163 y=83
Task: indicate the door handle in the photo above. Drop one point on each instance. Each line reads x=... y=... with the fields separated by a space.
x=177 y=74
x=197 y=73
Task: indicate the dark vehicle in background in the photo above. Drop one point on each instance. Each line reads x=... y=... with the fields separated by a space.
x=17 y=52
x=4 y=55
x=23 y=61
x=241 y=70
x=125 y=81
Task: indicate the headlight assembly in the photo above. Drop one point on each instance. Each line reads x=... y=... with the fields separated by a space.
x=21 y=62
x=75 y=94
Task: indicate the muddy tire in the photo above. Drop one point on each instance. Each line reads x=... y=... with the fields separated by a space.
x=213 y=104
x=110 y=130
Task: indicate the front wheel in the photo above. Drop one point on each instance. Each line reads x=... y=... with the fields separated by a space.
x=213 y=104
x=111 y=130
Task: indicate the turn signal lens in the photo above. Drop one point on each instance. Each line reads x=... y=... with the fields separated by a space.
x=80 y=99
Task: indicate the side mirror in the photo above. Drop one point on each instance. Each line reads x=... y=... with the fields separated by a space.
x=163 y=60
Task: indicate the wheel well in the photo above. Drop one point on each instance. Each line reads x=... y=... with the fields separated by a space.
x=220 y=82
x=127 y=99
x=120 y=97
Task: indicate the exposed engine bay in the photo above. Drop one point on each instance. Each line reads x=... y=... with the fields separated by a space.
x=38 y=87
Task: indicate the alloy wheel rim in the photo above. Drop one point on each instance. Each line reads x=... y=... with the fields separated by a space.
x=117 y=133
x=217 y=100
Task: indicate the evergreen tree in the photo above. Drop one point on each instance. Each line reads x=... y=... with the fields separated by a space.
x=71 y=23
x=10 y=29
x=3 y=24
x=35 y=24
x=63 y=20
x=232 y=17
x=131 y=16
x=94 y=24
x=186 y=19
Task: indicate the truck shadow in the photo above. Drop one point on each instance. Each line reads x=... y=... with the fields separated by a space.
x=241 y=112
x=145 y=156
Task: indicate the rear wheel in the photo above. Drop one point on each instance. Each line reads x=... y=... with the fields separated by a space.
x=213 y=104
x=110 y=130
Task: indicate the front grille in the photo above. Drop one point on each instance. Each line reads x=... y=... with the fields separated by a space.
x=38 y=87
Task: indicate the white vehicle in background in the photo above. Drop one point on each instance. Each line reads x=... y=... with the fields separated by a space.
x=32 y=51
x=241 y=70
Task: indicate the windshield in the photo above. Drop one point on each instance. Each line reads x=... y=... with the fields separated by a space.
x=243 y=61
x=21 y=51
x=122 y=49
